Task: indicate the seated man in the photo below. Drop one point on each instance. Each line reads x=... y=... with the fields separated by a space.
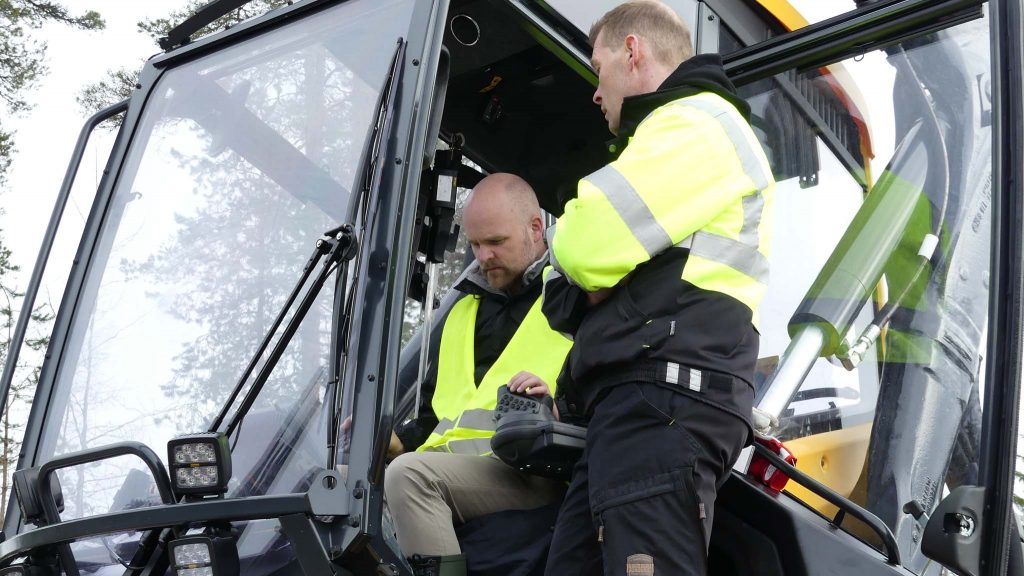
x=491 y=334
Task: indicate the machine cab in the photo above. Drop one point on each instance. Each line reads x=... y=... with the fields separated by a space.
x=274 y=240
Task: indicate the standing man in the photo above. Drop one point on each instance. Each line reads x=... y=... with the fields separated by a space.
x=662 y=262
x=495 y=330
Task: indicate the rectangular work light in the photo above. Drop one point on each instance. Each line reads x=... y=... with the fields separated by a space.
x=200 y=464
x=204 y=556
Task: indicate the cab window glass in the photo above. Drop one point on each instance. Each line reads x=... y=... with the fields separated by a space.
x=907 y=126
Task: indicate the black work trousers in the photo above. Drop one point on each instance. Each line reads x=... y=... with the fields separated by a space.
x=641 y=501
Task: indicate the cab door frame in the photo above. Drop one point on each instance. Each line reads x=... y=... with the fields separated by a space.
x=1006 y=310
x=877 y=25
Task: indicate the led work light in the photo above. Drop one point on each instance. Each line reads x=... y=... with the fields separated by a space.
x=204 y=556
x=200 y=464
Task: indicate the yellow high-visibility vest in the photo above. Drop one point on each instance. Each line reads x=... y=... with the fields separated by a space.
x=465 y=411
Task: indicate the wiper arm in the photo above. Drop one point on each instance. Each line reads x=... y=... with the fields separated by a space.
x=371 y=169
x=335 y=247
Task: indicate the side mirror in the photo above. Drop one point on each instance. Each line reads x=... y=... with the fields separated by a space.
x=953 y=535
x=25 y=482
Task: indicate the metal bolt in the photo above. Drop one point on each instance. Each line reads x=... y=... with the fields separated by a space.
x=371 y=377
x=398 y=160
x=358 y=493
x=415 y=62
x=353 y=520
x=966 y=528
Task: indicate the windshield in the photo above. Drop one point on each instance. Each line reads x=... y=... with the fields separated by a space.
x=240 y=161
x=881 y=159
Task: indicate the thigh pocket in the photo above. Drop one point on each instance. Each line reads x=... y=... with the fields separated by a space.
x=660 y=516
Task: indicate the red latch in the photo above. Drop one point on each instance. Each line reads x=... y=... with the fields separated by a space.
x=764 y=471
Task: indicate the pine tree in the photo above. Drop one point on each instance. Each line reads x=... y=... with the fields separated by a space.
x=118 y=84
x=26 y=376
x=23 y=57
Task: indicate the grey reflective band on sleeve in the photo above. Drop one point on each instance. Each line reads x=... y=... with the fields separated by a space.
x=477 y=419
x=748 y=156
x=549 y=236
x=742 y=254
x=753 y=205
x=631 y=208
x=728 y=252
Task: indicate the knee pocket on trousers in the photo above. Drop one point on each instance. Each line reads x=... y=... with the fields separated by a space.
x=661 y=515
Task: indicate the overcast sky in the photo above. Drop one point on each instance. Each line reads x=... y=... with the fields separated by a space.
x=46 y=135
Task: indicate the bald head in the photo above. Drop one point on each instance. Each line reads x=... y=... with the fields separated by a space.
x=509 y=192
x=503 y=224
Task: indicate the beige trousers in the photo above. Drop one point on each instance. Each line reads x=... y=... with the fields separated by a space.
x=429 y=493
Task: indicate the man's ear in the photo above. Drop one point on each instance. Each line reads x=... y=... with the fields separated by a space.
x=634 y=51
x=537 y=229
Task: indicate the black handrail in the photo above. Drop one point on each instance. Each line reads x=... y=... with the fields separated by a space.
x=855 y=32
x=129 y=448
x=892 y=550
x=29 y=300
x=44 y=492
x=139 y=519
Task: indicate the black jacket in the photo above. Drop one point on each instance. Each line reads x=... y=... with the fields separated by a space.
x=654 y=317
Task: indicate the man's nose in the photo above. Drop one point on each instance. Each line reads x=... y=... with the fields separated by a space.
x=597 y=96
x=483 y=254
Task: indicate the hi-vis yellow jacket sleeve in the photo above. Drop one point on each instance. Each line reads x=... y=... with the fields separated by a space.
x=686 y=168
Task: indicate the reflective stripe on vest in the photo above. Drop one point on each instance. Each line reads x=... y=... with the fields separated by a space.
x=464 y=410
x=634 y=218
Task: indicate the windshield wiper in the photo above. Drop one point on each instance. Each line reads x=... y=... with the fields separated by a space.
x=371 y=169
x=336 y=247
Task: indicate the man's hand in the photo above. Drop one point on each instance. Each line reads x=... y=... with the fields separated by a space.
x=601 y=294
x=531 y=385
x=595 y=298
x=528 y=383
x=395 y=448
